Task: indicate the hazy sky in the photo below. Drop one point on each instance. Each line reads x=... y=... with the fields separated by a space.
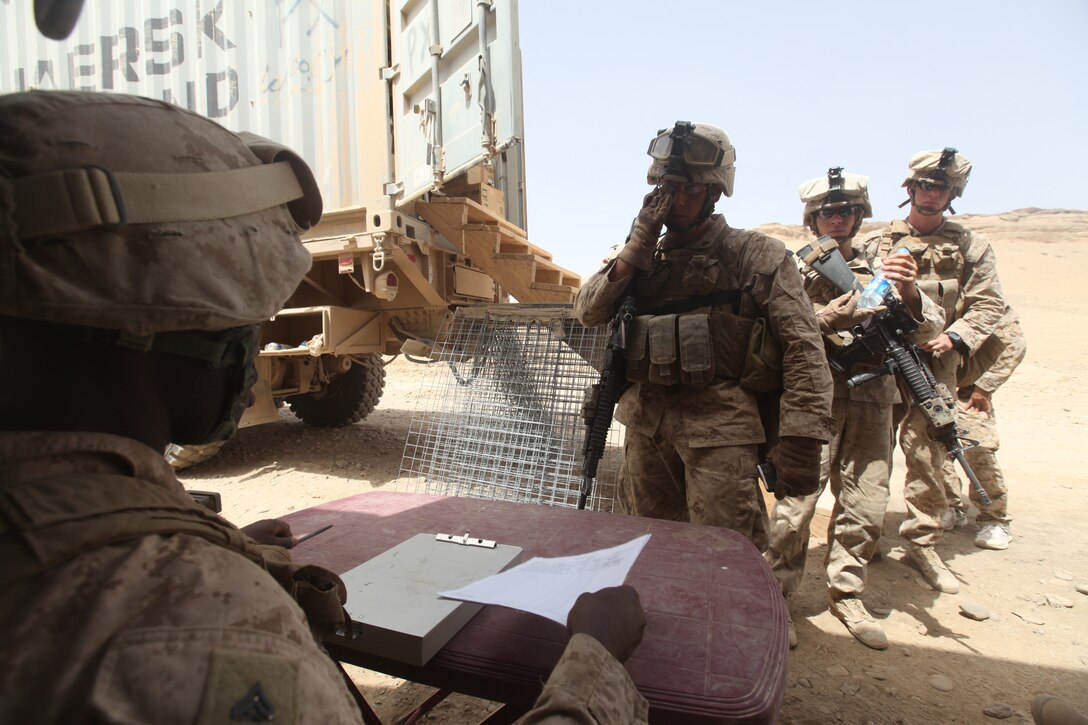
x=799 y=87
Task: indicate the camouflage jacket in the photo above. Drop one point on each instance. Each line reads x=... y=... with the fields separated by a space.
x=164 y=628
x=721 y=412
x=588 y=685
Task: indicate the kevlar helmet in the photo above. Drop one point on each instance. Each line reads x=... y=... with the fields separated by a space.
x=945 y=167
x=128 y=214
x=135 y=223
x=693 y=153
x=836 y=190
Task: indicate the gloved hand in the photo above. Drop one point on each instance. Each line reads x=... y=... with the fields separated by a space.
x=842 y=313
x=797 y=462
x=639 y=249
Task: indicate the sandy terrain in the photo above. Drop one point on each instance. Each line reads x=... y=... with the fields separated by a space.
x=1027 y=646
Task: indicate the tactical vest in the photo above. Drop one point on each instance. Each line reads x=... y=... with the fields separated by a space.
x=720 y=334
x=49 y=521
x=940 y=260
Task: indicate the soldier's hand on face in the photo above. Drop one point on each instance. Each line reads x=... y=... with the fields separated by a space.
x=270 y=531
x=613 y=616
x=797 y=462
x=941 y=343
x=655 y=207
x=842 y=313
x=980 y=401
x=638 y=251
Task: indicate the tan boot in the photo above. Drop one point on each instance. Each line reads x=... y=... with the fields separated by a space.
x=859 y=623
x=933 y=569
x=1049 y=710
x=790 y=631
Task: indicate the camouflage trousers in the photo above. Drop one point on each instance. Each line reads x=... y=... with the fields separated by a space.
x=981 y=427
x=930 y=476
x=664 y=478
x=857 y=464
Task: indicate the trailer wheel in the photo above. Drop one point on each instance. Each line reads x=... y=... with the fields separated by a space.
x=348 y=398
x=180 y=457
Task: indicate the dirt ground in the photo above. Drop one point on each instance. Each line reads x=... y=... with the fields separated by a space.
x=1036 y=639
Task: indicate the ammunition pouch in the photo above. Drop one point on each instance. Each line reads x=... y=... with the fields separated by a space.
x=695 y=348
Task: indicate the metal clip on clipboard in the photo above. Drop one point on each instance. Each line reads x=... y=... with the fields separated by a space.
x=465 y=540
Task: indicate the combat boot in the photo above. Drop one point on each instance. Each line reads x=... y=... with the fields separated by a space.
x=933 y=569
x=859 y=622
x=953 y=517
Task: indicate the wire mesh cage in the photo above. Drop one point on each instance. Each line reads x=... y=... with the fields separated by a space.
x=500 y=412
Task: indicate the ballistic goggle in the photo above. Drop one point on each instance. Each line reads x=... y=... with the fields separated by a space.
x=683 y=141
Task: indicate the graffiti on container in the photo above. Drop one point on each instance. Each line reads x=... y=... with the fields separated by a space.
x=133 y=54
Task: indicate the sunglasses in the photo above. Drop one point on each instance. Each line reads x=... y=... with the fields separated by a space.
x=843 y=212
x=674 y=187
x=926 y=185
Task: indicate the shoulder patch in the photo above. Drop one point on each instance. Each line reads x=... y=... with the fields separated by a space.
x=250 y=687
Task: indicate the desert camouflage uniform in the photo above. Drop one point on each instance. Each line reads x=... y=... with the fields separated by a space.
x=160 y=628
x=958 y=271
x=691 y=451
x=588 y=685
x=176 y=628
x=857 y=462
x=989 y=374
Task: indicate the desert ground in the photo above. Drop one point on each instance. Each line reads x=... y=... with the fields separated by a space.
x=941 y=667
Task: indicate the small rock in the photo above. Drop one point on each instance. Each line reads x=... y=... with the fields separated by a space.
x=1063 y=575
x=973 y=610
x=880 y=611
x=906 y=653
x=805 y=683
x=941 y=682
x=1029 y=618
x=838 y=671
x=850 y=688
x=1057 y=601
x=876 y=673
x=341 y=463
x=997 y=711
x=1082 y=588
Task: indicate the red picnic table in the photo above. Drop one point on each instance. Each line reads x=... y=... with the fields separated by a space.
x=714 y=649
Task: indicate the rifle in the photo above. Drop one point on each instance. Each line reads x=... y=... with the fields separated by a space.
x=888 y=333
x=603 y=398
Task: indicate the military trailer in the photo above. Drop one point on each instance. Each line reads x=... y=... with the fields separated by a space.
x=409 y=114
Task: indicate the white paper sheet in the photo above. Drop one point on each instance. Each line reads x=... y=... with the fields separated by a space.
x=550 y=586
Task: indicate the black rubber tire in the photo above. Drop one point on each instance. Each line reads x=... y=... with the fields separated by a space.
x=180 y=457
x=348 y=398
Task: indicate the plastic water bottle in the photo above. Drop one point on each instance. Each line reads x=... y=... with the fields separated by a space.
x=874 y=292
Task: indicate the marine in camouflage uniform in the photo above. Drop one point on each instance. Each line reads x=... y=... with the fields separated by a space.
x=978 y=377
x=122 y=600
x=958 y=271
x=713 y=304
x=857 y=461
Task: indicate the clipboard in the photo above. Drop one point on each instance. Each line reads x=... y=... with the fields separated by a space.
x=393 y=598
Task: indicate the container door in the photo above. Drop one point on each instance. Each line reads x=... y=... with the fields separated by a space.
x=456 y=94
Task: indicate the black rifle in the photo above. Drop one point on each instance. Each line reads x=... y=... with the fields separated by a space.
x=887 y=333
x=603 y=399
